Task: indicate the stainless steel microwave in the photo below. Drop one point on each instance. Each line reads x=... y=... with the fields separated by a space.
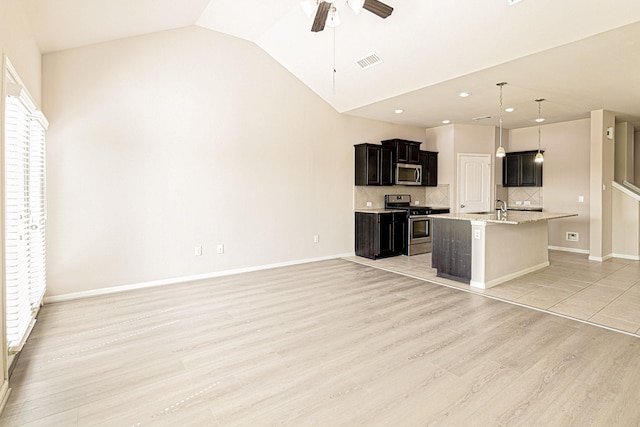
x=407 y=174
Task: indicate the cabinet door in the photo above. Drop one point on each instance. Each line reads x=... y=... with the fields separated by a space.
x=399 y=233
x=511 y=170
x=413 y=153
x=386 y=166
x=527 y=170
x=429 y=163
x=385 y=234
x=373 y=162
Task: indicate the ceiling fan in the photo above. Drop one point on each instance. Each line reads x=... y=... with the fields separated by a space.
x=326 y=6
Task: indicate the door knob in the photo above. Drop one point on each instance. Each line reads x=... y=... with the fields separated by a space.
x=462 y=206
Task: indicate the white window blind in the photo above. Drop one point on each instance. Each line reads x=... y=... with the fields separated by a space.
x=25 y=213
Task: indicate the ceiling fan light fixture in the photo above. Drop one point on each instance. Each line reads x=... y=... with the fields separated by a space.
x=309 y=7
x=333 y=20
x=356 y=5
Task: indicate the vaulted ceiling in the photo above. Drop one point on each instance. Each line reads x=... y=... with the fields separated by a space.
x=580 y=55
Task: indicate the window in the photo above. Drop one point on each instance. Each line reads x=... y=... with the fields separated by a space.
x=24 y=210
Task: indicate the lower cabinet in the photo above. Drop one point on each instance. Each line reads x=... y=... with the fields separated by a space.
x=451 y=254
x=380 y=235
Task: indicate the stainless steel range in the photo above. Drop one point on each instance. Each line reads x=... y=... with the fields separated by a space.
x=418 y=225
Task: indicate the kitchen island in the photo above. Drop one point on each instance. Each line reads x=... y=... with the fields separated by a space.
x=486 y=249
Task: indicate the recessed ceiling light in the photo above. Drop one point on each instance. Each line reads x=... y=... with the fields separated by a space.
x=464 y=94
x=512 y=2
x=398 y=111
x=510 y=110
x=446 y=122
x=540 y=119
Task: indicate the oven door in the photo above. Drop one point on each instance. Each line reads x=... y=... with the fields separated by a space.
x=419 y=235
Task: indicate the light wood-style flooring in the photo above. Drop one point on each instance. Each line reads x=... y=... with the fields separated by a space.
x=331 y=343
x=603 y=293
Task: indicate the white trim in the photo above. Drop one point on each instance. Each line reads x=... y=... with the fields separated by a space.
x=574 y=250
x=5 y=391
x=600 y=259
x=494 y=282
x=629 y=257
x=176 y=280
x=626 y=190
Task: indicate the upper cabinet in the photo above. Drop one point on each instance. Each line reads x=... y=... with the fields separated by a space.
x=374 y=165
x=404 y=151
x=519 y=169
x=429 y=162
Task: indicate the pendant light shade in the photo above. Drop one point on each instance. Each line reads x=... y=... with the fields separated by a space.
x=500 y=151
x=539 y=157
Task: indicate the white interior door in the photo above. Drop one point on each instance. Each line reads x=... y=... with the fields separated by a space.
x=474 y=183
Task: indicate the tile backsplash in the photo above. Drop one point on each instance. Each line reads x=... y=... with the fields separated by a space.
x=532 y=195
x=426 y=196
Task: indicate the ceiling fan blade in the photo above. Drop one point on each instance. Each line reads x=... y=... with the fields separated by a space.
x=321 y=17
x=378 y=8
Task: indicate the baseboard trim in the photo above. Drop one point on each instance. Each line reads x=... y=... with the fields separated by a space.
x=600 y=259
x=629 y=257
x=172 y=281
x=574 y=250
x=482 y=285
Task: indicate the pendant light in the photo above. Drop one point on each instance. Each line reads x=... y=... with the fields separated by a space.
x=539 y=157
x=500 y=152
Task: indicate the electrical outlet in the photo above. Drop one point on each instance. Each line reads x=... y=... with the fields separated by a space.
x=477 y=234
x=316 y=238
x=572 y=236
x=220 y=248
x=580 y=199
x=369 y=204
x=197 y=251
x=518 y=202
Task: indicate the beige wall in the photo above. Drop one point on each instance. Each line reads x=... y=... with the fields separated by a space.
x=164 y=142
x=624 y=152
x=636 y=158
x=602 y=164
x=18 y=43
x=566 y=172
x=625 y=239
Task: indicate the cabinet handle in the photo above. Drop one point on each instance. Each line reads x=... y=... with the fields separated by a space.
x=462 y=206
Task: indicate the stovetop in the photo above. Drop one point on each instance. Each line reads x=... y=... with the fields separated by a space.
x=403 y=201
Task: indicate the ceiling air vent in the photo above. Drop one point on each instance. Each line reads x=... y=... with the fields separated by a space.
x=369 y=61
x=481 y=118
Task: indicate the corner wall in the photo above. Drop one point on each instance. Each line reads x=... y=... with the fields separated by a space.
x=161 y=143
x=601 y=166
x=566 y=171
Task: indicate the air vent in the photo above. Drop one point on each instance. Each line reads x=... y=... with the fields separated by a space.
x=369 y=61
x=481 y=118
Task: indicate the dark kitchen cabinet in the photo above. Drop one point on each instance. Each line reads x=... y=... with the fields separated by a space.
x=374 y=165
x=380 y=235
x=429 y=162
x=452 y=247
x=519 y=169
x=404 y=151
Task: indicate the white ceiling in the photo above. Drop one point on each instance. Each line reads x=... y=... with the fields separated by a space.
x=580 y=55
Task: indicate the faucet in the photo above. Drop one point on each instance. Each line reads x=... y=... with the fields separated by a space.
x=503 y=209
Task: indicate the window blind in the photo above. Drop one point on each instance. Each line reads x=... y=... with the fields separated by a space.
x=25 y=214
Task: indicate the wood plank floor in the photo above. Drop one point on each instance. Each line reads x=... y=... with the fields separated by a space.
x=331 y=343
x=602 y=293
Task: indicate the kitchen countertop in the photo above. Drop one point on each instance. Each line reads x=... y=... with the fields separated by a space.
x=512 y=218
